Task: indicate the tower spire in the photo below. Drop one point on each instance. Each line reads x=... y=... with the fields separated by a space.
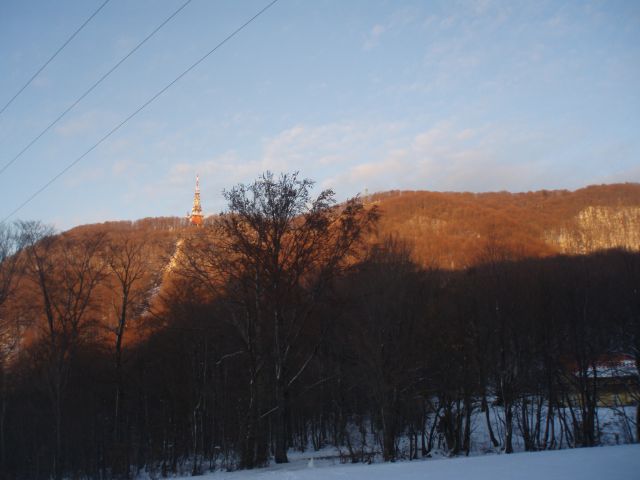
x=195 y=217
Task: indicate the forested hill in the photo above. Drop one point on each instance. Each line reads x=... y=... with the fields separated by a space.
x=150 y=348
x=456 y=230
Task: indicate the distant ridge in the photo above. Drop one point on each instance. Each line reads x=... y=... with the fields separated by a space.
x=458 y=230
x=455 y=230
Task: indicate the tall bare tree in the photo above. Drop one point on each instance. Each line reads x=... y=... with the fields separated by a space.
x=280 y=248
x=388 y=294
x=10 y=269
x=10 y=262
x=65 y=272
x=127 y=258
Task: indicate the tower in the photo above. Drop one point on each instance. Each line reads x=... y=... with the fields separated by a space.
x=195 y=217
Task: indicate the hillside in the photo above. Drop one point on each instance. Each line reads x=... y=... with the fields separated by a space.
x=112 y=354
x=447 y=230
x=456 y=230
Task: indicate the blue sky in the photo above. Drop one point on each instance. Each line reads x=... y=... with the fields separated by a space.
x=358 y=95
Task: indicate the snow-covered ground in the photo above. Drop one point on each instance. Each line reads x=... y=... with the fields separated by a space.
x=598 y=463
x=609 y=461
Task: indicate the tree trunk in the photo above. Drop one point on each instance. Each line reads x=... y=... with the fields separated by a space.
x=485 y=408
x=467 y=425
x=3 y=412
x=388 y=438
x=508 y=434
x=638 y=423
x=281 y=422
x=526 y=428
x=118 y=359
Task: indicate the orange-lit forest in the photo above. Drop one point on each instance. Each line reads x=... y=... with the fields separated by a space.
x=388 y=327
x=452 y=230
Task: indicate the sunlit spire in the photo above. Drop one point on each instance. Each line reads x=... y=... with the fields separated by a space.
x=195 y=217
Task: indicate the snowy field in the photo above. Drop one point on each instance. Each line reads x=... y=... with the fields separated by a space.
x=599 y=463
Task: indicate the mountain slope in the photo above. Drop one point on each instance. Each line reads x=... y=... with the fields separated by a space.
x=456 y=230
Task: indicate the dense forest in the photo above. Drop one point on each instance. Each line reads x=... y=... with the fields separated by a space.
x=293 y=322
x=450 y=230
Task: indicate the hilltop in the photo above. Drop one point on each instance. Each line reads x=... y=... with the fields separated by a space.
x=455 y=230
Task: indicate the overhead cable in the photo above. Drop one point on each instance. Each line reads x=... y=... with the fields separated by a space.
x=53 y=56
x=92 y=87
x=139 y=109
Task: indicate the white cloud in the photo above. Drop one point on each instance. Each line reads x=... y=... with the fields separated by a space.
x=447 y=157
x=353 y=156
x=317 y=151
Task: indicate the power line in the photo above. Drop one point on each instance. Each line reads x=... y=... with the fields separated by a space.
x=100 y=80
x=138 y=110
x=54 y=55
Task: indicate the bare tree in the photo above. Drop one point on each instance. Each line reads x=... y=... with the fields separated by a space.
x=388 y=294
x=130 y=280
x=10 y=269
x=500 y=302
x=65 y=272
x=279 y=250
x=10 y=262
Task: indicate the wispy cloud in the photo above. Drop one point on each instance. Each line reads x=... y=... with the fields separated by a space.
x=126 y=167
x=447 y=157
x=398 y=20
x=353 y=156
x=373 y=37
x=313 y=150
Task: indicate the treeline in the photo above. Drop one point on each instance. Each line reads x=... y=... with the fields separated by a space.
x=279 y=328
